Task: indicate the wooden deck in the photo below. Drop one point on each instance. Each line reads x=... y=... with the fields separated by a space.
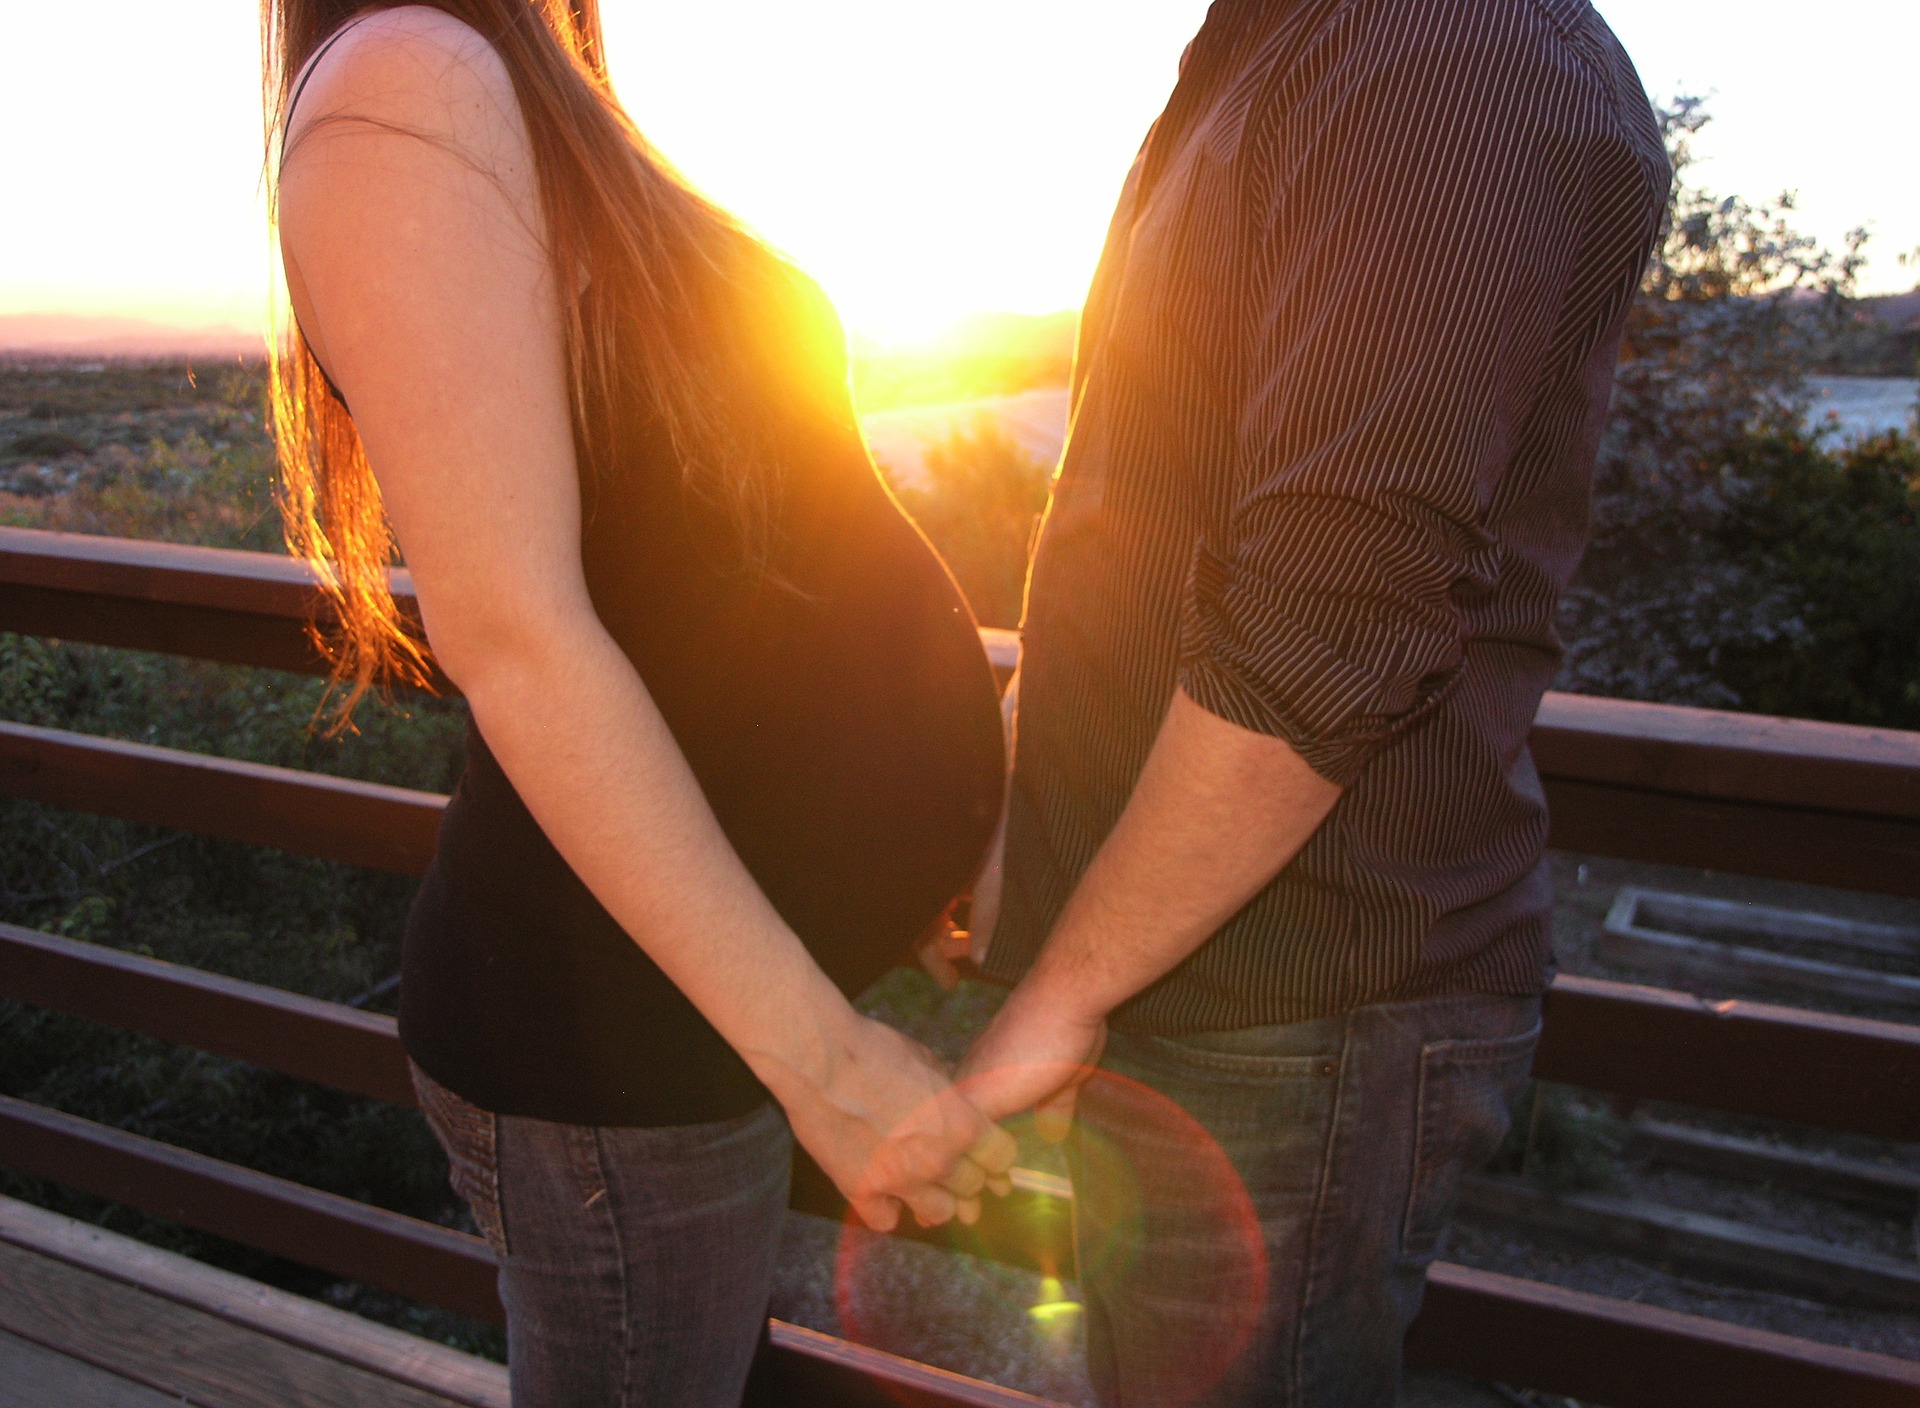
x=91 y=1319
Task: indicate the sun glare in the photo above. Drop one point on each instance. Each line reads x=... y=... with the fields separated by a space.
x=925 y=161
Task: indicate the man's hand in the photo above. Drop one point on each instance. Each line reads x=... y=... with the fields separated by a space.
x=1035 y=1055
x=889 y=1128
x=942 y=948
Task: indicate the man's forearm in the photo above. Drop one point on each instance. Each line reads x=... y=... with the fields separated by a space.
x=1218 y=811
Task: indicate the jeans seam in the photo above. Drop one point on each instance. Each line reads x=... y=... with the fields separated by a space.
x=1408 y=1242
x=604 y=1207
x=1316 y=1225
x=1480 y=1051
x=496 y=1201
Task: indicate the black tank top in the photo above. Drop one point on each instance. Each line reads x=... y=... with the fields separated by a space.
x=846 y=732
x=848 y=740
x=842 y=719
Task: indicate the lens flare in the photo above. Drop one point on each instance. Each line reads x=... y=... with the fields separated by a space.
x=1168 y=1240
x=1053 y=1307
x=1147 y=1175
x=1032 y=1227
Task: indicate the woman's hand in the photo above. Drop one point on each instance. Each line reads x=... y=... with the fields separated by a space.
x=886 y=1124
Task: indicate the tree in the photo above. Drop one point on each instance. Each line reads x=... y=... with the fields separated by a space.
x=1712 y=367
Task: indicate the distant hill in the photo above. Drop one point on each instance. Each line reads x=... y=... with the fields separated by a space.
x=1882 y=339
x=1902 y=310
x=81 y=335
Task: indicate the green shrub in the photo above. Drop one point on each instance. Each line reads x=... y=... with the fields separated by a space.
x=1839 y=533
x=47 y=444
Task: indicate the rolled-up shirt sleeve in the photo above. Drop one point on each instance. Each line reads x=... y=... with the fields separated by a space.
x=1402 y=314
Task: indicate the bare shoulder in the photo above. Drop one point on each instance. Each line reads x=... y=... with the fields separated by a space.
x=407 y=176
x=411 y=71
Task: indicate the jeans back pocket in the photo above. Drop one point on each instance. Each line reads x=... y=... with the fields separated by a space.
x=1467 y=1089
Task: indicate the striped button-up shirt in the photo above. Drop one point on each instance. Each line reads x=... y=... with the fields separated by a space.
x=1342 y=376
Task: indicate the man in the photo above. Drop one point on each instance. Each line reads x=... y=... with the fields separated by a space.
x=1274 y=835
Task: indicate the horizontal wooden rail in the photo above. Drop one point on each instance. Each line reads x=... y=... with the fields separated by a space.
x=325 y=1042
x=1821 y=803
x=1815 y=847
x=334 y=818
x=1597 y=1349
x=1732 y=757
x=416 y=1259
x=1748 y=1058
x=323 y=1230
x=308 y=813
x=1497 y=1327
x=1826 y=804
x=240 y=608
x=360 y=1052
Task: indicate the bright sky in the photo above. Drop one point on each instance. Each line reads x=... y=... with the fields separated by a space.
x=925 y=158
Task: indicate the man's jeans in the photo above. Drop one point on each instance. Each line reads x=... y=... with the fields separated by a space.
x=1255 y=1211
x=635 y=1264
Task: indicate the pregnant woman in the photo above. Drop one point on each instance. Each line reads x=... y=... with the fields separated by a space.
x=734 y=741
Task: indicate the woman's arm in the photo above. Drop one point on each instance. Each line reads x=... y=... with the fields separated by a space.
x=411 y=230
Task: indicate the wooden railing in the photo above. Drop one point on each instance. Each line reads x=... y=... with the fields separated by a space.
x=1810 y=802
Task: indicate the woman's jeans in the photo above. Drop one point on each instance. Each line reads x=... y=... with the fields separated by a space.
x=635 y=1264
x=1255 y=1211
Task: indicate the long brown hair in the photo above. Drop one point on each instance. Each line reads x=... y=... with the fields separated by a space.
x=686 y=321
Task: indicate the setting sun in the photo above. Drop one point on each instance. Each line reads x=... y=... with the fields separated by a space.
x=925 y=161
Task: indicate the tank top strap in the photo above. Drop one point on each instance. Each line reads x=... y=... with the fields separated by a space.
x=306 y=71
x=286 y=123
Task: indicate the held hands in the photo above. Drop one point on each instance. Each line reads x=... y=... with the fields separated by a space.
x=884 y=1121
x=886 y=1124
